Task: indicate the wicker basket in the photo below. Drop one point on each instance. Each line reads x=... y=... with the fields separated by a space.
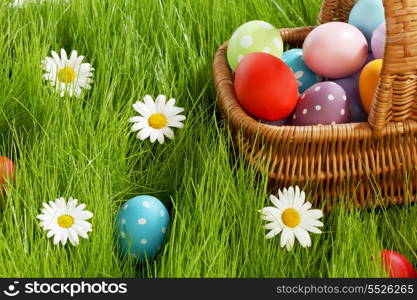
x=362 y=164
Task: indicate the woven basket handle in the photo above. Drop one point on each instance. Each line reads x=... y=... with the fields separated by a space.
x=395 y=98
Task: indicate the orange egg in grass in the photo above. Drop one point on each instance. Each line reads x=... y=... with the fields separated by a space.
x=368 y=82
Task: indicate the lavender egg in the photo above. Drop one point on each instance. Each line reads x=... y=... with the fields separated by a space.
x=351 y=87
x=378 y=41
x=322 y=104
x=276 y=123
x=358 y=74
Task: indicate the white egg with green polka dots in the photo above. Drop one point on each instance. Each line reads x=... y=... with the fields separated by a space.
x=254 y=36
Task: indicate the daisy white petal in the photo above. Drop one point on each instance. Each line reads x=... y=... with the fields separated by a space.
x=178 y=118
x=57 y=59
x=73 y=237
x=313 y=214
x=270 y=211
x=73 y=56
x=153 y=136
x=168 y=133
x=142 y=109
x=269 y=218
x=285 y=236
x=312 y=229
x=144 y=133
x=84 y=215
x=175 y=111
x=303 y=237
x=275 y=201
x=150 y=104
x=52 y=232
x=160 y=103
x=57 y=237
x=291 y=195
x=64 y=57
x=272 y=225
x=137 y=119
x=273 y=232
x=311 y=222
x=299 y=198
x=283 y=197
x=170 y=103
x=138 y=126
x=291 y=240
x=64 y=237
x=175 y=124
x=161 y=137
x=306 y=206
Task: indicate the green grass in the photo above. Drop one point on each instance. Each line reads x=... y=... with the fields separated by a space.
x=83 y=148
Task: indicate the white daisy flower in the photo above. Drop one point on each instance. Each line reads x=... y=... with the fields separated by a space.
x=68 y=75
x=292 y=217
x=157 y=118
x=65 y=221
x=22 y=3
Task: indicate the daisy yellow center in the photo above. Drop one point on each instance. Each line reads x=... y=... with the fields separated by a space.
x=66 y=75
x=291 y=217
x=65 y=221
x=157 y=121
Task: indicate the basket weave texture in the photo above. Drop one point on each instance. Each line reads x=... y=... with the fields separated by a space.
x=362 y=164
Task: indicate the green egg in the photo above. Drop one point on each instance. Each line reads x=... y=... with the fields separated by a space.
x=254 y=36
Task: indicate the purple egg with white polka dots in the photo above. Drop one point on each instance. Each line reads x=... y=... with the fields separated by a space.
x=322 y=104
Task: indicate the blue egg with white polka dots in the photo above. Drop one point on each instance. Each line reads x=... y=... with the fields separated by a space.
x=141 y=226
x=306 y=78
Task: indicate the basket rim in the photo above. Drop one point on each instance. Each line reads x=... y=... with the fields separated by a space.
x=238 y=117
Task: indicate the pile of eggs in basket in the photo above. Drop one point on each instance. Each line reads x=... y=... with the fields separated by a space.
x=331 y=80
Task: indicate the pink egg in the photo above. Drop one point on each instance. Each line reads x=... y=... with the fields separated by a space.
x=335 y=50
x=323 y=103
x=378 y=41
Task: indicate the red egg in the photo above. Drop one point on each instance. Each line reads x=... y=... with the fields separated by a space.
x=397 y=265
x=266 y=87
x=6 y=172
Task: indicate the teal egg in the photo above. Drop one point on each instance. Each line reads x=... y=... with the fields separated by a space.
x=367 y=15
x=305 y=77
x=141 y=226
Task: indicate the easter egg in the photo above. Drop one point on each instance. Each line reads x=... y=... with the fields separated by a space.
x=276 y=123
x=305 y=77
x=351 y=87
x=6 y=173
x=368 y=83
x=397 y=265
x=141 y=226
x=378 y=41
x=266 y=87
x=366 y=15
x=254 y=36
x=335 y=50
x=357 y=75
x=323 y=103
x=6 y=170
